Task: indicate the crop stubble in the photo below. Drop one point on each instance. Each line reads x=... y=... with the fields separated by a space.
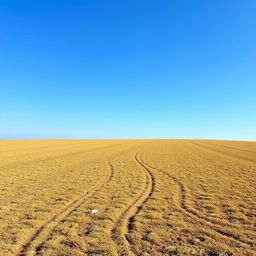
x=155 y=197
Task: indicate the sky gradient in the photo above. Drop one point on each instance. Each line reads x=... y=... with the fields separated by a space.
x=128 y=69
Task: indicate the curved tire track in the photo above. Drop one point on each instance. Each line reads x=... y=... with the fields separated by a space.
x=191 y=213
x=124 y=225
x=63 y=213
x=246 y=226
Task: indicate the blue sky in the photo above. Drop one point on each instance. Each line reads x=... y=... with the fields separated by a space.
x=128 y=69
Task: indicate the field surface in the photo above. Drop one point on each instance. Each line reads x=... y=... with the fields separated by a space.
x=154 y=197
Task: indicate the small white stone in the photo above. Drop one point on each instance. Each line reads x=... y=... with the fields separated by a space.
x=93 y=211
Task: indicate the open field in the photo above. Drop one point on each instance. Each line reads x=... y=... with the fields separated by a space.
x=154 y=197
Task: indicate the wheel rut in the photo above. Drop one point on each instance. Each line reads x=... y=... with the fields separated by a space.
x=125 y=223
x=193 y=214
x=246 y=226
x=63 y=213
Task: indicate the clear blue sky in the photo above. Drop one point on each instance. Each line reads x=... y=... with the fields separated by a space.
x=128 y=69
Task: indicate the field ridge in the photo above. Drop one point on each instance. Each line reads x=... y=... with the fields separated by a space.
x=231 y=155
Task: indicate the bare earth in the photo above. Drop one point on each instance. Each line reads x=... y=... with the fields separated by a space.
x=154 y=197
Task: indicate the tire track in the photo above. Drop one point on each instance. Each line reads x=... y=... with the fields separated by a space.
x=63 y=213
x=247 y=226
x=46 y=184
x=152 y=181
x=196 y=216
x=124 y=225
